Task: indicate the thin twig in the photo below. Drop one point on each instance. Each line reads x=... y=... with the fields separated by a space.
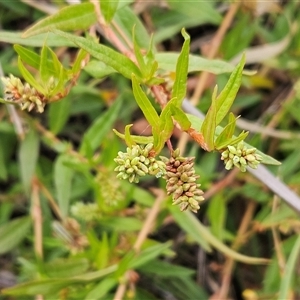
x=36 y=214
x=37 y=219
x=52 y=202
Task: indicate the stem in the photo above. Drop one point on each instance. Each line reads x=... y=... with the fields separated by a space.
x=37 y=219
x=36 y=214
x=52 y=202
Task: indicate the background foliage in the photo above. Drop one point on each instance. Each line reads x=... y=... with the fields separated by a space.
x=68 y=228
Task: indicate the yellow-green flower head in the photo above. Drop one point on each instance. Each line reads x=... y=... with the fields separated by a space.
x=25 y=95
x=136 y=162
x=240 y=156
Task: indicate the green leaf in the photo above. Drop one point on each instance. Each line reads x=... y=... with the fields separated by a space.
x=209 y=125
x=226 y=134
x=126 y=19
x=58 y=114
x=102 y=288
x=167 y=61
x=217 y=213
x=145 y=104
x=138 y=55
x=45 y=63
x=108 y=9
x=44 y=287
x=50 y=286
x=179 y=88
x=29 y=57
x=266 y=159
x=65 y=268
x=63 y=183
x=201 y=230
x=13 y=232
x=136 y=138
x=228 y=94
x=166 y=269
x=49 y=66
x=180 y=117
x=29 y=78
x=99 y=129
x=287 y=279
x=128 y=138
x=57 y=66
x=240 y=138
x=28 y=155
x=81 y=55
x=35 y=41
x=169 y=22
x=190 y=226
x=165 y=129
x=148 y=254
x=98 y=69
x=72 y=17
x=121 y=223
x=110 y=57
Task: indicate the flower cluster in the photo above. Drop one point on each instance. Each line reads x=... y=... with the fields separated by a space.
x=181 y=182
x=109 y=189
x=25 y=95
x=136 y=162
x=241 y=157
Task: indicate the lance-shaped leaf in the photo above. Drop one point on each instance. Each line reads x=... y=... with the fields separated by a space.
x=179 y=88
x=108 y=9
x=136 y=138
x=228 y=94
x=145 y=104
x=63 y=176
x=28 y=156
x=181 y=118
x=110 y=57
x=77 y=66
x=128 y=138
x=289 y=269
x=45 y=63
x=29 y=57
x=35 y=41
x=165 y=129
x=13 y=232
x=167 y=61
x=98 y=130
x=138 y=55
x=73 y=17
x=208 y=127
x=29 y=78
x=240 y=138
x=226 y=134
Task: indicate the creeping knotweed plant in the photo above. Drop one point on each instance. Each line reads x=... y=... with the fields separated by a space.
x=241 y=157
x=181 y=182
x=136 y=162
x=23 y=94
